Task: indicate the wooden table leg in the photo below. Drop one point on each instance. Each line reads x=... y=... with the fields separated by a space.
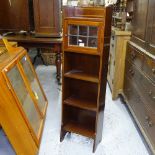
x=58 y=61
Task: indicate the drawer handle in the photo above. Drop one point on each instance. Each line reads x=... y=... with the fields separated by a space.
x=150 y=93
x=133 y=55
x=147 y=118
x=150 y=124
x=131 y=72
x=153 y=70
x=113 y=37
x=112 y=45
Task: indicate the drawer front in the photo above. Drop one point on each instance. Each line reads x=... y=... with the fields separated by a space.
x=145 y=87
x=134 y=56
x=149 y=68
x=143 y=115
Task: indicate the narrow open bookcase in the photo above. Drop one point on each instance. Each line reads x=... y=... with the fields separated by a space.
x=86 y=36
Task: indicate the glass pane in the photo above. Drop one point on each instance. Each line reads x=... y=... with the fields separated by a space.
x=24 y=98
x=73 y=29
x=92 y=31
x=82 y=41
x=34 y=84
x=72 y=40
x=92 y=42
x=83 y=30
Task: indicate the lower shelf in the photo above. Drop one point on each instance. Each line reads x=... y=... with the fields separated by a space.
x=79 y=129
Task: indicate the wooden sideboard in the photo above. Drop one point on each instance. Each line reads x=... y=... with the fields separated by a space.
x=117 y=61
x=139 y=83
x=139 y=90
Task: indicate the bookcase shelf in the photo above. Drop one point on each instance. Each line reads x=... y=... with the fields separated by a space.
x=82 y=103
x=77 y=74
x=85 y=60
x=79 y=129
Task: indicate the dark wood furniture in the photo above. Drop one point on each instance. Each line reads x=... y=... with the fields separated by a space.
x=144 y=25
x=139 y=82
x=86 y=36
x=47 y=18
x=24 y=105
x=42 y=17
x=14 y=15
x=30 y=41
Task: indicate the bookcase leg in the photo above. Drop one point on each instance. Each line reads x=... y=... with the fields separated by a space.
x=96 y=142
x=62 y=134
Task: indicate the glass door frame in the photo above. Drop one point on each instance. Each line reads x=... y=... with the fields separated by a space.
x=79 y=22
x=28 y=84
x=12 y=64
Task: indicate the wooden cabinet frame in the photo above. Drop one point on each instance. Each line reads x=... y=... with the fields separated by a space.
x=17 y=111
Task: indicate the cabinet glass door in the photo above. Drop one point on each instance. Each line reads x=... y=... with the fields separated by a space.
x=33 y=83
x=83 y=36
x=24 y=98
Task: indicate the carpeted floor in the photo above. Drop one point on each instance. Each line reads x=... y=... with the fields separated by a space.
x=120 y=136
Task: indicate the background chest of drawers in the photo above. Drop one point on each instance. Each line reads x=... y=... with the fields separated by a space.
x=117 y=61
x=139 y=90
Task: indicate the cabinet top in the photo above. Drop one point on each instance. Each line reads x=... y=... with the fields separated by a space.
x=85 y=12
x=6 y=58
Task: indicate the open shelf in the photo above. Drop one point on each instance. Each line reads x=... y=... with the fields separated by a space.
x=81 y=67
x=81 y=103
x=78 y=74
x=82 y=89
x=79 y=121
x=79 y=129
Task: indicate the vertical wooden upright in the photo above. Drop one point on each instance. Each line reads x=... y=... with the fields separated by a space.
x=86 y=35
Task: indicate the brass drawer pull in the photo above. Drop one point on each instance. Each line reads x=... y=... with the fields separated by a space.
x=131 y=72
x=133 y=55
x=153 y=70
x=150 y=124
x=150 y=93
x=147 y=118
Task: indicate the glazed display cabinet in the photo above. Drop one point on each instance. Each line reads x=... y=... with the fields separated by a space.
x=23 y=110
x=85 y=61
